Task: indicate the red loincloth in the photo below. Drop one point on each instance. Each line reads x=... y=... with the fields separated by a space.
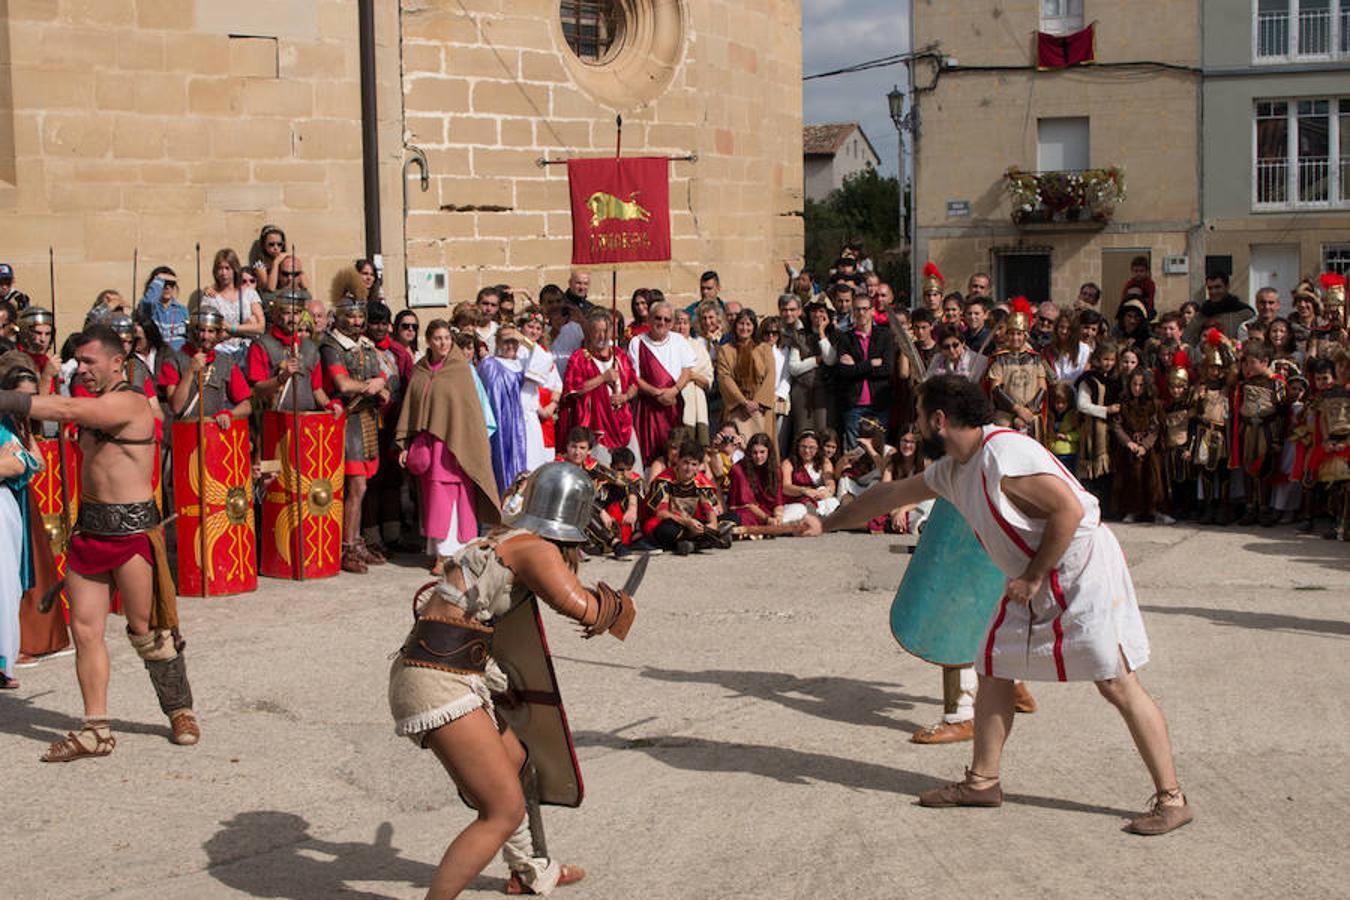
x=91 y=554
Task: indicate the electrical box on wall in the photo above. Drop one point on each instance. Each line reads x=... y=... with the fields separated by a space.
x=428 y=287
x=1176 y=265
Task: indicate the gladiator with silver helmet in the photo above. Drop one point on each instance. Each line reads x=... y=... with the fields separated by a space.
x=477 y=644
x=37 y=330
x=281 y=361
x=349 y=357
x=223 y=386
x=136 y=372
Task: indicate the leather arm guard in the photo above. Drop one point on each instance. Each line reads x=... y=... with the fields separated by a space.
x=615 y=613
x=540 y=567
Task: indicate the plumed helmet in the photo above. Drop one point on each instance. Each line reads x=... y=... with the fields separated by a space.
x=558 y=501
x=345 y=310
x=1178 y=373
x=932 y=278
x=1022 y=314
x=122 y=325
x=1333 y=293
x=206 y=317
x=36 y=315
x=1215 y=350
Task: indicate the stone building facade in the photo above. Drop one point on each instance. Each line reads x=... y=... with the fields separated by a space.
x=146 y=126
x=983 y=106
x=1276 y=191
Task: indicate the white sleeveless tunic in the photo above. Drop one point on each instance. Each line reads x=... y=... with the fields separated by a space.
x=1085 y=614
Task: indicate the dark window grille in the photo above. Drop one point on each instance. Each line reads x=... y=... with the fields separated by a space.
x=591 y=26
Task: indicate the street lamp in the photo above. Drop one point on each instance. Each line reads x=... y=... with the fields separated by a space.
x=896 y=101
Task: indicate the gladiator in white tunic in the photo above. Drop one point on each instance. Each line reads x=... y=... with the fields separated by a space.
x=1085 y=614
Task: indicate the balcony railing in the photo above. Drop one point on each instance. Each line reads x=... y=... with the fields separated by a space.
x=1314 y=32
x=1086 y=197
x=1272 y=181
x=1316 y=181
x=1272 y=34
x=1317 y=33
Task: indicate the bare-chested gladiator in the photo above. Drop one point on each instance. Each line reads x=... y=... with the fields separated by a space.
x=117 y=544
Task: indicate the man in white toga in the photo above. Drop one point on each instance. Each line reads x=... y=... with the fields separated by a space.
x=1068 y=612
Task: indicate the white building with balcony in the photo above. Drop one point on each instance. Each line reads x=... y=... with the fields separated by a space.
x=1275 y=188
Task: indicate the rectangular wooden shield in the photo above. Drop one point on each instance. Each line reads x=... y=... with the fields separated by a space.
x=534 y=708
x=308 y=504
x=47 y=488
x=222 y=504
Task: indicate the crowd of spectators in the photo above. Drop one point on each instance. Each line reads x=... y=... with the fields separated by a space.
x=709 y=422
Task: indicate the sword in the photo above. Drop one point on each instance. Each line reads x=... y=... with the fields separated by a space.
x=635 y=577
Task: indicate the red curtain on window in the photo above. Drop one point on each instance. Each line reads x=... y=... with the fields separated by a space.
x=1059 y=51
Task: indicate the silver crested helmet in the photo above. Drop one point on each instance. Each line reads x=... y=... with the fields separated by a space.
x=557 y=503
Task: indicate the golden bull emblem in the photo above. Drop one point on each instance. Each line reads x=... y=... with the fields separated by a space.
x=607 y=206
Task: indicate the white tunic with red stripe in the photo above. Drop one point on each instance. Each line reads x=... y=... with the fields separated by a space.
x=1085 y=614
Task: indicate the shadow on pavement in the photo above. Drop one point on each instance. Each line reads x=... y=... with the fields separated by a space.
x=1332 y=554
x=779 y=763
x=269 y=853
x=1259 y=621
x=828 y=697
x=799 y=767
x=22 y=717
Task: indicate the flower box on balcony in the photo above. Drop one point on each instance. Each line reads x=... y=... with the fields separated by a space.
x=1079 y=199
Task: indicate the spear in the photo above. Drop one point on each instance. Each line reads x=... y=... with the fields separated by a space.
x=134 y=298
x=295 y=444
x=60 y=426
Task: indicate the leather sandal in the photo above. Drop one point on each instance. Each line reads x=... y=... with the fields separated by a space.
x=963 y=793
x=1162 y=817
x=71 y=748
x=1023 y=702
x=353 y=561
x=370 y=554
x=570 y=875
x=945 y=733
x=186 y=731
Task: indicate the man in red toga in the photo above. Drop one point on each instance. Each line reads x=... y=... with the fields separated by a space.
x=598 y=384
x=664 y=363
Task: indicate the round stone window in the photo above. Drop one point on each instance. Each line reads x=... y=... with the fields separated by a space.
x=624 y=53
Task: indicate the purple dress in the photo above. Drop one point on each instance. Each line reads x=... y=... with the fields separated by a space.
x=503 y=384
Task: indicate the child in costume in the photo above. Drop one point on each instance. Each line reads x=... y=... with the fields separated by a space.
x=1213 y=420
x=1261 y=400
x=1178 y=434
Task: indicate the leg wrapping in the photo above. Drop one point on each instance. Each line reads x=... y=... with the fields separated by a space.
x=167 y=668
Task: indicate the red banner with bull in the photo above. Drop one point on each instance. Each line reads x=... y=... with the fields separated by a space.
x=620 y=210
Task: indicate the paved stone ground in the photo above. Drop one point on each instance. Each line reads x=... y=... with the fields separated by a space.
x=750 y=740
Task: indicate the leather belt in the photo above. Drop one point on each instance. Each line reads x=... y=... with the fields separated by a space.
x=116 y=519
x=459 y=647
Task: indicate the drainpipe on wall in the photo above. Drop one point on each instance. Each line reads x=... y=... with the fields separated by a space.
x=1197 y=246
x=370 y=146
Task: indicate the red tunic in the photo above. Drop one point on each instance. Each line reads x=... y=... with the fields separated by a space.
x=746 y=493
x=654 y=420
x=613 y=427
